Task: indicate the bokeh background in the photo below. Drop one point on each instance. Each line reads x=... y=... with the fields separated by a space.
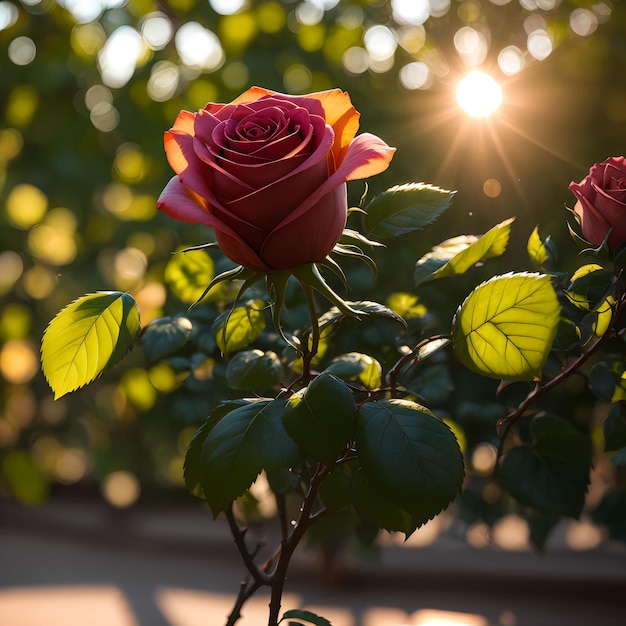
x=87 y=88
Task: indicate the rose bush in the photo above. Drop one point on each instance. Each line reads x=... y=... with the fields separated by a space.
x=268 y=173
x=601 y=202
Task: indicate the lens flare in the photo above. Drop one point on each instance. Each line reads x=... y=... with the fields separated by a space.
x=478 y=94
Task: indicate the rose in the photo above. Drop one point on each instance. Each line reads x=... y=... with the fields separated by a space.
x=601 y=202
x=267 y=172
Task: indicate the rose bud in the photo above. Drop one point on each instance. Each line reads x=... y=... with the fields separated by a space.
x=601 y=202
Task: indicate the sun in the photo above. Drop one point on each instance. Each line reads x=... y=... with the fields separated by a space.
x=478 y=94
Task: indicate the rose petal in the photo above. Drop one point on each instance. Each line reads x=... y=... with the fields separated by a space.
x=593 y=225
x=252 y=94
x=366 y=156
x=342 y=116
x=311 y=237
x=180 y=203
x=267 y=206
x=238 y=252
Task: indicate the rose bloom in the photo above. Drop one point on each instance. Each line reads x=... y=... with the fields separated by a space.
x=602 y=202
x=268 y=173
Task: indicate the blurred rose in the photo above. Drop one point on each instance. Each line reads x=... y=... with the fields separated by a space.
x=267 y=172
x=602 y=202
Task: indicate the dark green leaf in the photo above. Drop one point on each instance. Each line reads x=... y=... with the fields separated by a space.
x=244 y=442
x=365 y=307
x=608 y=379
x=619 y=458
x=411 y=455
x=336 y=489
x=307 y=616
x=615 y=428
x=253 y=369
x=193 y=461
x=164 y=336
x=356 y=366
x=457 y=255
x=371 y=503
x=321 y=418
x=541 y=526
x=552 y=473
x=404 y=209
x=87 y=338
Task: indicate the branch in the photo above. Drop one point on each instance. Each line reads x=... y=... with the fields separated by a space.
x=260 y=577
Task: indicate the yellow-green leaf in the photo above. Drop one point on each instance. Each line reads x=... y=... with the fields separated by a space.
x=86 y=338
x=238 y=328
x=506 y=326
x=537 y=250
x=457 y=255
x=188 y=273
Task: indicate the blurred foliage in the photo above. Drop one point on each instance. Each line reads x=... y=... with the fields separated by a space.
x=87 y=90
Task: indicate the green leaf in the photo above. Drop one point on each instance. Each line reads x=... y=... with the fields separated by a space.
x=356 y=366
x=457 y=255
x=552 y=473
x=409 y=454
x=430 y=347
x=253 y=369
x=607 y=379
x=615 y=428
x=404 y=209
x=238 y=328
x=164 y=336
x=192 y=469
x=365 y=307
x=619 y=458
x=245 y=441
x=588 y=286
x=321 y=418
x=536 y=250
x=87 y=338
x=506 y=326
x=307 y=616
x=372 y=505
x=188 y=273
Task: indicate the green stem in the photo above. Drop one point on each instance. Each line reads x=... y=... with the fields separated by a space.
x=308 y=353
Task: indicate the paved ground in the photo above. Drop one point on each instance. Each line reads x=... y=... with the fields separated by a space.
x=81 y=564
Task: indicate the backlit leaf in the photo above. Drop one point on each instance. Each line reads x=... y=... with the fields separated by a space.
x=536 y=250
x=505 y=327
x=188 y=273
x=459 y=254
x=356 y=366
x=404 y=209
x=87 y=338
x=410 y=455
x=238 y=328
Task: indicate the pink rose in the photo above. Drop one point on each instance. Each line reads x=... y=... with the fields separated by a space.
x=267 y=172
x=602 y=202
